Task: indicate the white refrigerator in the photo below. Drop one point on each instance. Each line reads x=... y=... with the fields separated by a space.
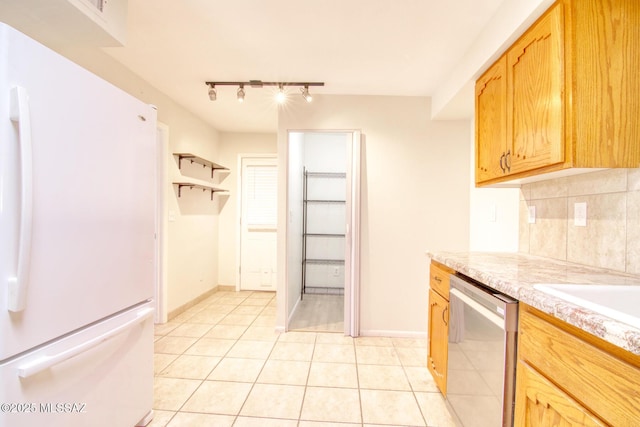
x=77 y=244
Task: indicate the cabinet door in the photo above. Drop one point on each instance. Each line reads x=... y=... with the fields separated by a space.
x=438 y=339
x=535 y=91
x=539 y=403
x=491 y=122
x=606 y=59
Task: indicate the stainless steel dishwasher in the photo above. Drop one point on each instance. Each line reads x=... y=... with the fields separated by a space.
x=481 y=368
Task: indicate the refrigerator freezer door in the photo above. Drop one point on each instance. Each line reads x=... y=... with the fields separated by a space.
x=92 y=192
x=101 y=376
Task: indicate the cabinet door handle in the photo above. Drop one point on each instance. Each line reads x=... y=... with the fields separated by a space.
x=502 y=163
x=437 y=279
x=445 y=320
x=507 y=161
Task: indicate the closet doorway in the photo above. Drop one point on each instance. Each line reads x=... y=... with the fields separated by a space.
x=322 y=232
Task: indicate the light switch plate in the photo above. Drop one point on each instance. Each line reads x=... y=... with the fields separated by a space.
x=492 y=212
x=531 y=217
x=580 y=214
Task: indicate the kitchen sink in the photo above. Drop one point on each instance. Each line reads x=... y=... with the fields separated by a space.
x=619 y=302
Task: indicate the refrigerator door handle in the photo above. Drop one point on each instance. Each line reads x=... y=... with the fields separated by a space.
x=38 y=365
x=17 y=286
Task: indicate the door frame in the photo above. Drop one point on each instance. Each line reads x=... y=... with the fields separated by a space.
x=242 y=156
x=352 y=240
x=162 y=221
x=352 y=260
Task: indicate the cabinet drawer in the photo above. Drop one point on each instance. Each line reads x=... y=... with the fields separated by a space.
x=605 y=384
x=439 y=279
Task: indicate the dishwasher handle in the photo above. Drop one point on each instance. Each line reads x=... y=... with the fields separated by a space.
x=485 y=312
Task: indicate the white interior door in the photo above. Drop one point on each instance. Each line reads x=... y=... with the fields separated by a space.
x=258 y=223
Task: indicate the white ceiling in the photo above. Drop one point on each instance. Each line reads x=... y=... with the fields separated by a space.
x=363 y=47
x=356 y=47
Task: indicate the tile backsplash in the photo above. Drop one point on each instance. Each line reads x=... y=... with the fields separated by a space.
x=611 y=238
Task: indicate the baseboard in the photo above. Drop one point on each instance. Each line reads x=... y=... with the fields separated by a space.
x=226 y=288
x=184 y=307
x=392 y=334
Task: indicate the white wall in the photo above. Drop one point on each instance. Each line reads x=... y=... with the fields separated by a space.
x=326 y=151
x=493 y=214
x=232 y=145
x=192 y=241
x=454 y=97
x=415 y=197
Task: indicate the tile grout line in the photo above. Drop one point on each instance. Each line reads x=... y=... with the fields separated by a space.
x=205 y=378
x=306 y=383
x=316 y=340
x=413 y=392
x=261 y=369
x=355 y=355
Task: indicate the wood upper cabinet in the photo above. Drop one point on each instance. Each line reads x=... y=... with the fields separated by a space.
x=438 y=330
x=491 y=125
x=567 y=96
x=567 y=377
x=535 y=87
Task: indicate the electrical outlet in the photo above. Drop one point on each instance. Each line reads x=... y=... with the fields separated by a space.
x=531 y=217
x=336 y=271
x=580 y=214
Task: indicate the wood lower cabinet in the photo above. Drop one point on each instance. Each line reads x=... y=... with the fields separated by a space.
x=540 y=403
x=567 y=377
x=438 y=330
x=564 y=95
x=438 y=339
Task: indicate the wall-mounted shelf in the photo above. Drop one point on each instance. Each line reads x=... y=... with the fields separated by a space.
x=324 y=261
x=191 y=183
x=201 y=161
x=204 y=186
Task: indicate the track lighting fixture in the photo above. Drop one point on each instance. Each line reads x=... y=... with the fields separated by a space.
x=305 y=93
x=240 y=93
x=280 y=96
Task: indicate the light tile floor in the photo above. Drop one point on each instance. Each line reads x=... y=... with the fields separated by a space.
x=220 y=363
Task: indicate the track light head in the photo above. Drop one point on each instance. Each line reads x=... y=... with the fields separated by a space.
x=281 y=96
x=305 y=93
x=240 y=93
x=213 y=95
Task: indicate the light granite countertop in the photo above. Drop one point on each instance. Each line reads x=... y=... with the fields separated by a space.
x=514 y=274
